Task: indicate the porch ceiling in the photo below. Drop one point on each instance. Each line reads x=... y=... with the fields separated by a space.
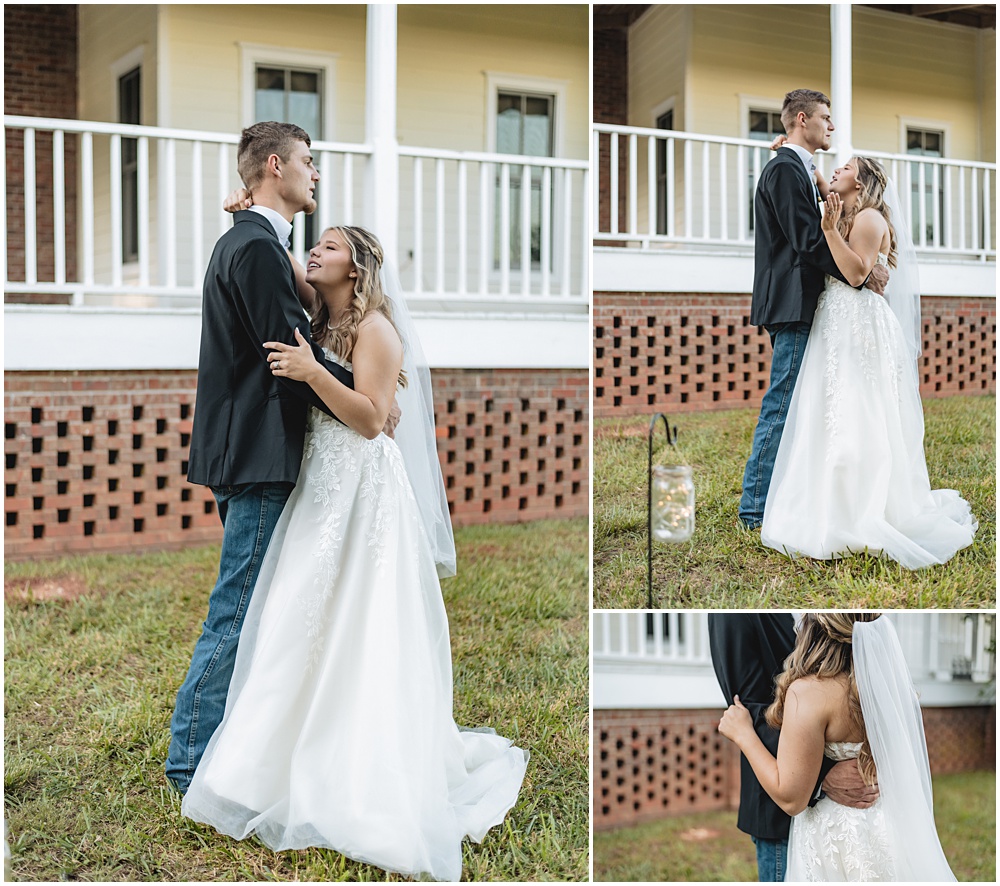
x=609 y=16
x=967 y=14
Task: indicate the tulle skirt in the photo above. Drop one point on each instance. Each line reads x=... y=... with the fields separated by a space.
x=338 y=729
x=850 y=474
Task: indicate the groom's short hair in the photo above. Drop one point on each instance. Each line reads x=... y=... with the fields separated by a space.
x=260 y=141
x=800 y=100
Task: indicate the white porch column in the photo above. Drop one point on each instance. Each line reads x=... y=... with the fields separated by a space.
x=381 y=211
x=840 y=80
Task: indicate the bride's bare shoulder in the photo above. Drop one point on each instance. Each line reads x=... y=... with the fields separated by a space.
x=816 y=693
x=870 y=217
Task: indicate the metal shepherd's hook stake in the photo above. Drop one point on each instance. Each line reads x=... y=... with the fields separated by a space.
x=672 y=440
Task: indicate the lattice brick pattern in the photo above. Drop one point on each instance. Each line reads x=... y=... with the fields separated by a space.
x=651 y=764
x=960 y=739
x=98 y=461
x=513 y=443
x=698 y=353
x=959 y=350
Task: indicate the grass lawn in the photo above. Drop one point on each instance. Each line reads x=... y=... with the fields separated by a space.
x=725 y=566
x=708 y=848
x=91 y=673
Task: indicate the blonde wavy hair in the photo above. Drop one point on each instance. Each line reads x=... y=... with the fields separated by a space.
x=873 y=180
x=367 y=256
x=823 y=648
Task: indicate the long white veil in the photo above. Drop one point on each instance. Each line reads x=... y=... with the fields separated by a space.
x=415 y=434
x=903 y=289
x=895 y=730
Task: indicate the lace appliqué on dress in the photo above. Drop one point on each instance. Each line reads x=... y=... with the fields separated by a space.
x=830 y=842
x=333 y=458
x=865 y=319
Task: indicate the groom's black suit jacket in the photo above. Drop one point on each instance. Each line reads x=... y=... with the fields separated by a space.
x=791 y=255
x=748 y=653
x=249 y=426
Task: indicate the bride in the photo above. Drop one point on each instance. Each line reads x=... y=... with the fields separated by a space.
x=338 y=728
x=850 y=473
x=846 y=693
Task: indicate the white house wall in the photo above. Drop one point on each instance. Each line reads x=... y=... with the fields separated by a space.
x=158 y=339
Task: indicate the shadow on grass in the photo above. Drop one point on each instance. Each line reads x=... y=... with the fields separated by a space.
x=707 y=847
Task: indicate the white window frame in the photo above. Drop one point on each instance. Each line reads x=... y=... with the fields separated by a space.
x=659 y=110
x=134 y=58
x=254 y=54
x=750 y=103
x=497 y=82
x=944 y=128
x=669 y=105
x=919 y=123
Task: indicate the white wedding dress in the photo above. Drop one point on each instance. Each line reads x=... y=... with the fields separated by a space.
x=850 y=473
x=338 y=729
x=830 y=843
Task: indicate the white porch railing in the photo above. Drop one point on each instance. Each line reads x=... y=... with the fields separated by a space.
x=685 y=189
x=651 y=637
x=495 y=225
x=941 y=647
x=468 y=231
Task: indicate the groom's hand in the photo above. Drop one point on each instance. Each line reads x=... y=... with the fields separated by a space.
x=844 y=785
x=392 y=420
x=878 y=279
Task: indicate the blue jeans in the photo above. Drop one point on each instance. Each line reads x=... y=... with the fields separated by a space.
x=249 y=513
x=788 y=343
x=772 y=856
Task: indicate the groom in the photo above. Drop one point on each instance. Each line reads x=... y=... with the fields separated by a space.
x=748 y=653
x=249 y=426
x=791 y=257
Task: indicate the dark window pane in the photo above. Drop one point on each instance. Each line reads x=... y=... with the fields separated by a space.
x=305 y=81
x=271 y=78
x=758 y=121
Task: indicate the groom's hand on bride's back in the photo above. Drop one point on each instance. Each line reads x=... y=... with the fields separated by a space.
x=844 y=785
x=878 y=279
x=392 y=420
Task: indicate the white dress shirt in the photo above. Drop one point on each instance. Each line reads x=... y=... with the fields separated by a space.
x=810 y=166
x=282 y=226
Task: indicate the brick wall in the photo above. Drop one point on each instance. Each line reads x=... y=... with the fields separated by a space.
x=40 y=80
x=610 y=71
x=652 y=764
x=697 y=352
x=96 y=461
x=960 y=739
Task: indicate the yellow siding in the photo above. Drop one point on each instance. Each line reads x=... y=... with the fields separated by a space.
x=444 y=52
x=930 y=72
x=988 y=93
x=107 y=33
x=658 y=55
x=902 y=67
x=203 y=69
x=759 y=51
